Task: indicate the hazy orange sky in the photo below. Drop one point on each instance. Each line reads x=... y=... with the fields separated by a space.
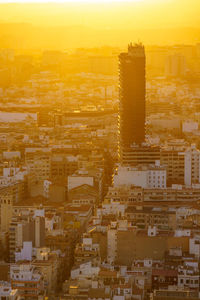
x=105 y=14
x=94 y=23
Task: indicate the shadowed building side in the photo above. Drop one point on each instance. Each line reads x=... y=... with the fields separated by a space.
x=132 y=89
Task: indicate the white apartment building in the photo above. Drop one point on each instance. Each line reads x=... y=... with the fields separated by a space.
x=188 y=275
x=153 y=176
x=27 y=278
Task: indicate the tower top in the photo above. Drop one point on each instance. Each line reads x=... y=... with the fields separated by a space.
x=136 y=49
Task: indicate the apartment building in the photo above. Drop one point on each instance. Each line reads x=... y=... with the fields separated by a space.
x=38 y=162
x=152 y=176
x=27 y=279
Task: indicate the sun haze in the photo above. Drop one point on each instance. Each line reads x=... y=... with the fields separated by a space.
x=154 y=21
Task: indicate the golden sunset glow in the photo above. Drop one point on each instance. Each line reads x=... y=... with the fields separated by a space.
x=129 y=14
x=100 y=149
x=57 y=1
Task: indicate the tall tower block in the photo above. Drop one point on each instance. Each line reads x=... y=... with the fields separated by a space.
x=132 y=90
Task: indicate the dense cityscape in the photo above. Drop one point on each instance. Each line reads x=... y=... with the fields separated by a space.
x=100 y=173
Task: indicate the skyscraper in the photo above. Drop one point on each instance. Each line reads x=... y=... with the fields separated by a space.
x=132 y=96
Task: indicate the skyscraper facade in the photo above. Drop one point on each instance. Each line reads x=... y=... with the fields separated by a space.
x=132 y=90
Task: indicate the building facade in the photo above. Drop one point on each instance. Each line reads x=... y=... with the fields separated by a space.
x=132 y=96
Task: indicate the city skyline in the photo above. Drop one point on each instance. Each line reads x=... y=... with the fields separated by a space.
x=100 y=150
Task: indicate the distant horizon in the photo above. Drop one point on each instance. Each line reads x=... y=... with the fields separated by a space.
x=89 y=26
x=24 y=35
x=74 y=25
